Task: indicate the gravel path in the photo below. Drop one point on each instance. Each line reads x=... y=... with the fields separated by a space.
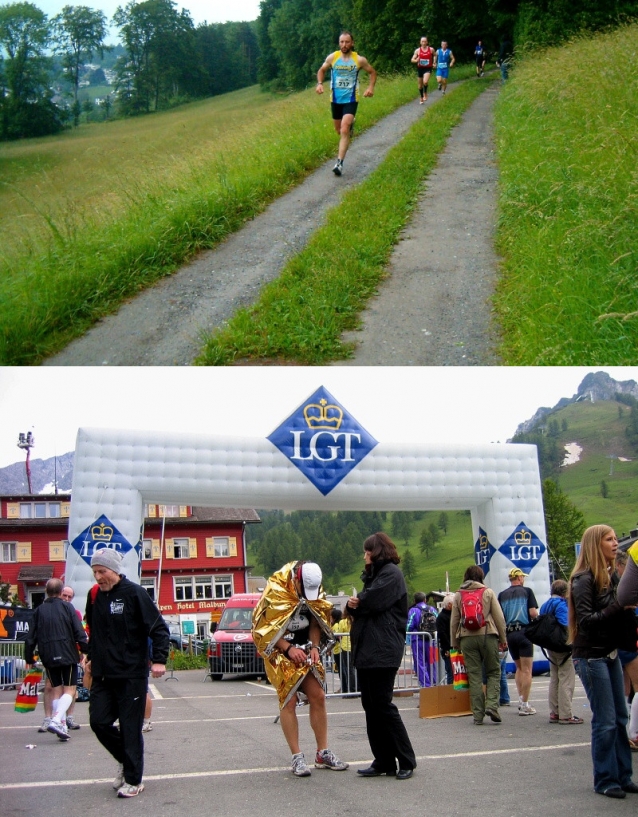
x=433 y=309
x=163 y=325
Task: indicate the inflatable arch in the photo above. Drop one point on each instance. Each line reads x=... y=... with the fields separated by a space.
x=320 y=458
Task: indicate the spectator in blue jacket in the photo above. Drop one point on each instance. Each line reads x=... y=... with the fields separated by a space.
x=562 y=676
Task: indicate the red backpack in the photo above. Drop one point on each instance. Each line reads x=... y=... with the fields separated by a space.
x=472 y=617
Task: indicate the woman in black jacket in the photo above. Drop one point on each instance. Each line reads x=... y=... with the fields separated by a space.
x=595 y=624
x=380 y=617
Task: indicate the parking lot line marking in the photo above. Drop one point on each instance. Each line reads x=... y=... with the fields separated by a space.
x=154 y=691
x=269 y=769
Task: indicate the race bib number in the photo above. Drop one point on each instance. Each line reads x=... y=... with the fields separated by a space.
x=424 y=62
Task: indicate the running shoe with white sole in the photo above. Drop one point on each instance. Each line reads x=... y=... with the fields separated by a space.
x=130 y=791
x=338 y=168
x=59 y=729
x=70 y=723
x=148 y=726
x=45 y=725
x=119 y=777
x=526 y=709
x=325 y=759
x=299 y=766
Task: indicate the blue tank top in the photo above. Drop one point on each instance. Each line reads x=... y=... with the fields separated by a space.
x=344 y=82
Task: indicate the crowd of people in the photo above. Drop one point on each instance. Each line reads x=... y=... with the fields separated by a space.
x=295 y=628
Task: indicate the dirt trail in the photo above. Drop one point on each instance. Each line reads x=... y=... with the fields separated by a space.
x=163 y=325
x=433 y=308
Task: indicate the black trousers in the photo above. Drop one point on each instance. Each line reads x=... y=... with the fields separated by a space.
x=123 y=699
x=387 y=734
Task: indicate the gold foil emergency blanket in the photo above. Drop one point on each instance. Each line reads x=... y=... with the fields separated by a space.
x=279 y=602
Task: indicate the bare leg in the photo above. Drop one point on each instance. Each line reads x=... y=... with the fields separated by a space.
x=290 y=725
x=318 y=713
x=344 y=140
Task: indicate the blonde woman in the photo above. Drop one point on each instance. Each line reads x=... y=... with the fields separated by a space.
x=595 y=618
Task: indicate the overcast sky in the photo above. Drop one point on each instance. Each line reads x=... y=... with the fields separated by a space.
x=201 y=11
x=394 y=404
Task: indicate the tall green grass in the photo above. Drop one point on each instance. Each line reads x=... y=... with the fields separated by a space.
x=567 y=126
x=301 y=316
x=90 y=218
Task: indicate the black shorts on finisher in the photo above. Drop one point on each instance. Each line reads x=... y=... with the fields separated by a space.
x=339 y=110
x=63 y=676
x=422 y=70
x=519 y=645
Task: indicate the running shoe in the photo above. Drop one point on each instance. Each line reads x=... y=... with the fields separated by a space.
x=299 y=766
x=439 y=86
x=148 y=726
x=325 y=759
x=422 y=101
x=553 y=717
x=573 y=719
x=130 y=791
x=119 y=777
x=526 y=709
x=494 y=715
x=59 y=729
x=70 y=723
x=338 y=168
x=45 y=725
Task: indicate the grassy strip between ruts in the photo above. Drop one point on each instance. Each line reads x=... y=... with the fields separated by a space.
x=54 y=288
x=568 y=159
x=300 y=317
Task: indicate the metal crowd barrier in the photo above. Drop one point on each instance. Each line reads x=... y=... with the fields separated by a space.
x=410 y=677
x=12 y=664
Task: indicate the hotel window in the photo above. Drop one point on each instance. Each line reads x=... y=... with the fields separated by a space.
x=203 y=587
x=147 y=549
x=180 y=549
x=39 y=510
x=149 y=586
x=223 y=587
x=221 y=546
x=183 y=588
x=8 y=551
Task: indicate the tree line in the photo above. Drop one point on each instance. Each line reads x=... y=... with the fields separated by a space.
x=296 y=35
x=166 y=60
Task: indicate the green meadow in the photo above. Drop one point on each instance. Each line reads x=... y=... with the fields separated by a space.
x=91 y=217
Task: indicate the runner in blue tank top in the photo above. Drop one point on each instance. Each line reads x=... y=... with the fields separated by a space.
x=345 y=65
x=444 y=61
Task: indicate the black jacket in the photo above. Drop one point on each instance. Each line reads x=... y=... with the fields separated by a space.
x=380 y=620
x=120 y=622
x=601 y=619
x=57 y=631
x=443 y=630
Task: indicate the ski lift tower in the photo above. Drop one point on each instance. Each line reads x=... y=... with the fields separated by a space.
x=26 y=442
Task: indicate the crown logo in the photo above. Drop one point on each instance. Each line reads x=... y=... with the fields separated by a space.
x=323 y=415
x=101 y=533
x=483 y=542
x=523 y=537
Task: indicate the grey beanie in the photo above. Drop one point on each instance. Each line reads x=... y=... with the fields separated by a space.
x=107 y=557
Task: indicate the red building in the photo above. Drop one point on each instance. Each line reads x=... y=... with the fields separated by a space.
x=193 y=559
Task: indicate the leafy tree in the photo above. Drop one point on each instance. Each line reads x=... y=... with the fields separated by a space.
x=429 y=538
x=402 y=526
x=78 y=32
x=443 y=521
x=604 y=489
x=26 y=107
x=564 y=524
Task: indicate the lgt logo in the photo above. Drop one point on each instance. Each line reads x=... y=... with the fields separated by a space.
x=523 y=548
x=323 y=440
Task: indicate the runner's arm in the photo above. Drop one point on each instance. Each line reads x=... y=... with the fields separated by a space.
x=415 y=56
x=363 y=63
x=321 y=73
x=452 y=60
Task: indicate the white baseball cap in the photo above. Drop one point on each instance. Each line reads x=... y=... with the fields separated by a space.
x=311 y=577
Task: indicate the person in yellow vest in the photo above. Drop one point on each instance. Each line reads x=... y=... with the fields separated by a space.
x=345 y=65
x=342 y=652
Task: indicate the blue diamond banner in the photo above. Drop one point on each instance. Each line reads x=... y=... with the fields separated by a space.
x=102 y=533
x=323 y=440
x=483 y=551
x=523 y=548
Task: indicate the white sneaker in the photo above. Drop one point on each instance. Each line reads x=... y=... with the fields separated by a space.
x=119 y=777
x=130 y=791
x=148 y=726
x=45 y=725
x=299 y=766
x=58 y=728
x=526 y=709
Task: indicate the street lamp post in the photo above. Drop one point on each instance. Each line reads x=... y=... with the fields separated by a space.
x=26 y=442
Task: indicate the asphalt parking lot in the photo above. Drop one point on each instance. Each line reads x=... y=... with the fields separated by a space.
x=215 y=749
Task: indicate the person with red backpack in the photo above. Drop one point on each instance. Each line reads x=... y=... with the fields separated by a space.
x=477 y=627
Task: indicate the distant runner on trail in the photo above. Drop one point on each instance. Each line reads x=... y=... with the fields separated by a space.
x=480 y=56
x=423 y=58
x=444 y=61
x=344 y=90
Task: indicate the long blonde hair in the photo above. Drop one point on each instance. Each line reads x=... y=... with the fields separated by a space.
x=590 y=558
